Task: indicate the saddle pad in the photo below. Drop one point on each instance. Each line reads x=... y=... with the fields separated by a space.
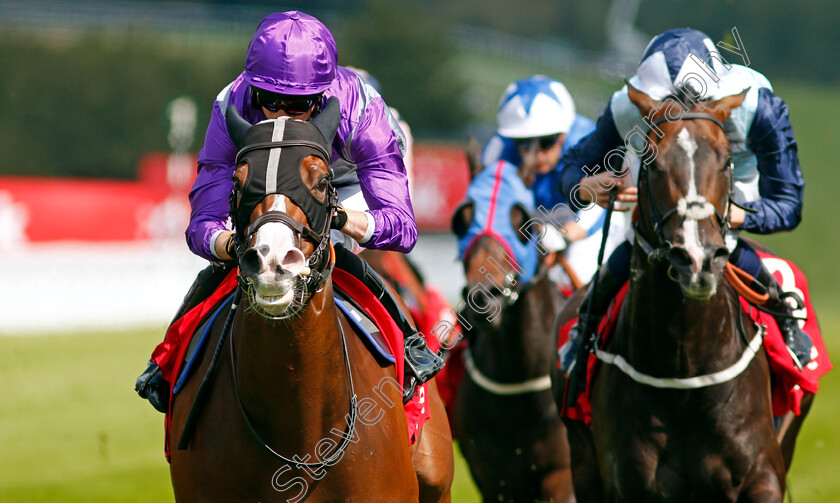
x=194 y=351
x=364 y=327
x=170 y=354
x=789 y=384
x=417 y=409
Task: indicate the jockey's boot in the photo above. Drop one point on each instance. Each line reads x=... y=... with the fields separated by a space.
x=798 y=342
x=151 y=385
x=608 y=288
x=421 y=364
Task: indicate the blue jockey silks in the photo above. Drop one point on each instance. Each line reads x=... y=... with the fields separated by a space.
x=494 y=192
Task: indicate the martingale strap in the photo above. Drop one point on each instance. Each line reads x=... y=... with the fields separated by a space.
x=349 y=432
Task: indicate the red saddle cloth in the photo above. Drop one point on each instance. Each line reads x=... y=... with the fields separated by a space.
x=789 y=383
x=170 y=353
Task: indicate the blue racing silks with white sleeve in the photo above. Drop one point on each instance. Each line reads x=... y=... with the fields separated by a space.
x=767 y=173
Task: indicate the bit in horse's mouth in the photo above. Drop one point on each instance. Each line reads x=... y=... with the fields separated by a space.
x=275 y=300
x=701 y=295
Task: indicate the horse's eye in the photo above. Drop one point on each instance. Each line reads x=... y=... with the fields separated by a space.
x=323 y=183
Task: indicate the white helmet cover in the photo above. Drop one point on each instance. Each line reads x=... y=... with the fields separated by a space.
x=535 y=106
x=679 y=58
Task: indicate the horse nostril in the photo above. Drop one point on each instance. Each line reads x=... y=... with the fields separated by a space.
x=679 y=258
x=719 y=258
x=293 y=261
x=251 y=262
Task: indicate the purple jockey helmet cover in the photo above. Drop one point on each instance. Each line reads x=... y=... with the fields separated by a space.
x=291 y=53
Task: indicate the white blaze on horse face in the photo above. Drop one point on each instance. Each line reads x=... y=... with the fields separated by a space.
x=692 y=206
x=283 y=254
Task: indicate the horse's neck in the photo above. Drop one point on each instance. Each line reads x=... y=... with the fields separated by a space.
x=519 y=348
x=292 y=375
x=664 y=333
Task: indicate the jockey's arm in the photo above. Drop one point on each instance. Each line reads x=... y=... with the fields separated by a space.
x=357 y=225
x=209 y=202
x=780 y=182
x=378 y=155
x=583 y=175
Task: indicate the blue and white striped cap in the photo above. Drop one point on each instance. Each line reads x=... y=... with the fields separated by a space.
x=667 y=64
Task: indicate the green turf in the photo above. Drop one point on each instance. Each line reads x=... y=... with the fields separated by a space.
x=72 y=429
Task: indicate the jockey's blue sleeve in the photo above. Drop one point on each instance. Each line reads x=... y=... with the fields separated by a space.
x=780 y=182
x=588 y=152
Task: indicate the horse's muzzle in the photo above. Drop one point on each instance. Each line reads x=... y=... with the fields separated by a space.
x=698 y=276
x=271 y=279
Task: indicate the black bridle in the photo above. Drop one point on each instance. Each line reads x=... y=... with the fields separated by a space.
x=319 y=263
x=662 y=246
x=511 y=288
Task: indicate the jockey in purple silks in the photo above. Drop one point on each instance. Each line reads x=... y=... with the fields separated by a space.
x=291 y=70
x=768 y=182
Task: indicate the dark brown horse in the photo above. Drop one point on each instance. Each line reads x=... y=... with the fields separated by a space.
x=299 y=408
x=506 y=421
x=664 y=436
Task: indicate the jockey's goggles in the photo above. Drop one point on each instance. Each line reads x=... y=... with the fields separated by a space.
x=544 y=142
x=292 y=105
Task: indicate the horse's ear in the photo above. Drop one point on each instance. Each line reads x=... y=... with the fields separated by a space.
x=519 y=216
x=473 y=152
x=462 y=218
x=724 y=106
x=327 y=120
x=236 y=126
x=642 y=101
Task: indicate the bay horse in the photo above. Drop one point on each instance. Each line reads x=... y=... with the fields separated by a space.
x=662 y=437
x=505 y=419
x=299 y=408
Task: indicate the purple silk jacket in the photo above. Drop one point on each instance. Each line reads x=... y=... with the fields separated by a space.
x=368 y=150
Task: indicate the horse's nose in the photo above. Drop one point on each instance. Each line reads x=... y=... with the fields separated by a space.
x=717 y=259
x=252 y=260
x=293 y=262
x=685 y=261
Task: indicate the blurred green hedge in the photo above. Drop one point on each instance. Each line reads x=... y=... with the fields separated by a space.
x=90 y=103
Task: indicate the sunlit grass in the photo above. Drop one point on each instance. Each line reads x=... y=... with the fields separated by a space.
x=72 y=429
